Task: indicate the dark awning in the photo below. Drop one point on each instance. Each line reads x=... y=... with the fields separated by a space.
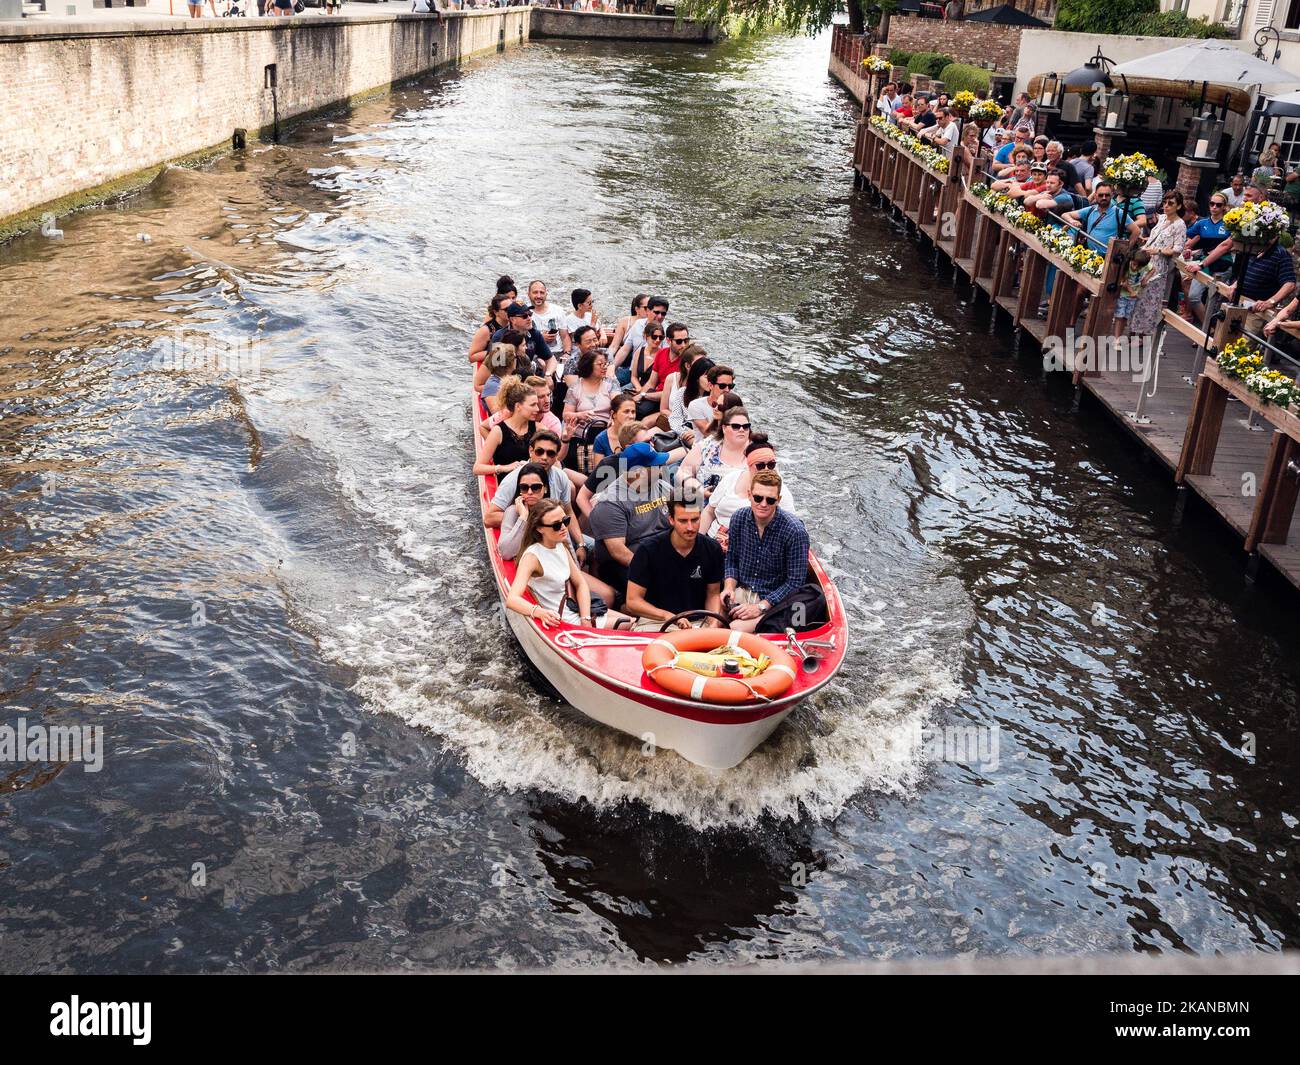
x=1007 y=15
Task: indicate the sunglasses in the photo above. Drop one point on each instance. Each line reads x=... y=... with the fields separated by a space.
x=554 y=526
x=1217 y=203
x=727 y=387
x=765 y=465
x=766 y=501
x=546 y=452
x=742 y=426
x=530 y=487
x=658 y=313
x=681 y=340
x=654 y=336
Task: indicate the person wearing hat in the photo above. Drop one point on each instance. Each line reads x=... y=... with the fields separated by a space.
x=535 y=346
x=633 y=509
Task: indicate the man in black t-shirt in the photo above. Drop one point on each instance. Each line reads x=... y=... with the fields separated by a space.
x=677 y=570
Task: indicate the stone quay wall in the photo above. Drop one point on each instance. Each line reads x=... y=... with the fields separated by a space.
x=552 y=22
x=93 y=107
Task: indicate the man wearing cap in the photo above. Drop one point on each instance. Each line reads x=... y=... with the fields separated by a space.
x=539 y=352
x=630 y=512
x=613 y=466
x=1029 y=191
x=675 y=571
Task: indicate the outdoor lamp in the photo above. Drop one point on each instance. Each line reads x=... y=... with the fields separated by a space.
x=1204 y=136
x=1114 y=110
x=1094 y=73
x=1049 y=92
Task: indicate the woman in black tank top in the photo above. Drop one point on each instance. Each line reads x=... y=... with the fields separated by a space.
x=513 y=446
x=506 y=446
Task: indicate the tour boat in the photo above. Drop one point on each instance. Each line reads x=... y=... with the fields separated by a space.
x=602 y=674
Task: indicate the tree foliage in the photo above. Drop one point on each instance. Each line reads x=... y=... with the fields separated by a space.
x=744 y=16
x=1138 y=17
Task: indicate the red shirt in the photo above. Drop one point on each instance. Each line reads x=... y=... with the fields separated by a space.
x=665 y=363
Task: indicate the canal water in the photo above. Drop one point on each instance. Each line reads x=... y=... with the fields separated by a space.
x=240 y=535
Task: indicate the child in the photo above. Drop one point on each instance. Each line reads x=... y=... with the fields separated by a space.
x=1130 y=287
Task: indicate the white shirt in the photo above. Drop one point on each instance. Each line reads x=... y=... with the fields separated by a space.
x=547 y=319
x=1235 y=199
x=947 y=135
x=573 y=323
x=698 y=410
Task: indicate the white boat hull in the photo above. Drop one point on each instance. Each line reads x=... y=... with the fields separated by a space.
x=707 y=744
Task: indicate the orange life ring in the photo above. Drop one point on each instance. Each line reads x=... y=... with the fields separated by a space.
x=772 y=683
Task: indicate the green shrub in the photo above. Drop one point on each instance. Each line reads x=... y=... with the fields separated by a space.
x=1138 y=17
x=1176 y=24
x=930 y=64
x=899 y=58
x=958 y=76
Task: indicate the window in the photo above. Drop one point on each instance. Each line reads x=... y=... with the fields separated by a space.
x=1293 y=15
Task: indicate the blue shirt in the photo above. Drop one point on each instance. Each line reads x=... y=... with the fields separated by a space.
x=1099 y=228
x=774 y=565
x=601 y=444
x=1003 y=154
x=1267 y=273
x=1212 y=234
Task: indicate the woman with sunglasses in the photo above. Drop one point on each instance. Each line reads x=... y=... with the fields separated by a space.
x=1163 y=245
x=495 y=319
x=732 y=492
x=533 y=484
x=722 y=449
x=546 y=566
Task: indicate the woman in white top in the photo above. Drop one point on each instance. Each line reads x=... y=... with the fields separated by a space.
x=732 y=492
x=721 y=450
x=672 y=408
x=546 y=566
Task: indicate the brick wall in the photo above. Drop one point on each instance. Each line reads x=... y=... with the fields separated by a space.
x=90 y=104
x=966 y=42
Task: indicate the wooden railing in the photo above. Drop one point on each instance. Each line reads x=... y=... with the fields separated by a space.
x=1010 y=265
x=848 y=47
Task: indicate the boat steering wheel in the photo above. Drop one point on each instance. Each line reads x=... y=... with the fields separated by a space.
x=726 y=622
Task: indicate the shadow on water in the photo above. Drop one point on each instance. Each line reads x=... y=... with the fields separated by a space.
x=670 y=893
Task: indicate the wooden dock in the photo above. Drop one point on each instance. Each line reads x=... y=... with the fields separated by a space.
x=1238 y=454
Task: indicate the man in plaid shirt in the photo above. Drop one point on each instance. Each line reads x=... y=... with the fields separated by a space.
x=767 y=554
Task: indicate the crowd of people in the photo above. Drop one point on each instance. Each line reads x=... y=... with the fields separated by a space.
x=1066 y=187
x=631 y=483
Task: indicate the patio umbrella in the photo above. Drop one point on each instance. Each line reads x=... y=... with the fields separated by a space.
x=1287 y=105
x=1209 y=61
